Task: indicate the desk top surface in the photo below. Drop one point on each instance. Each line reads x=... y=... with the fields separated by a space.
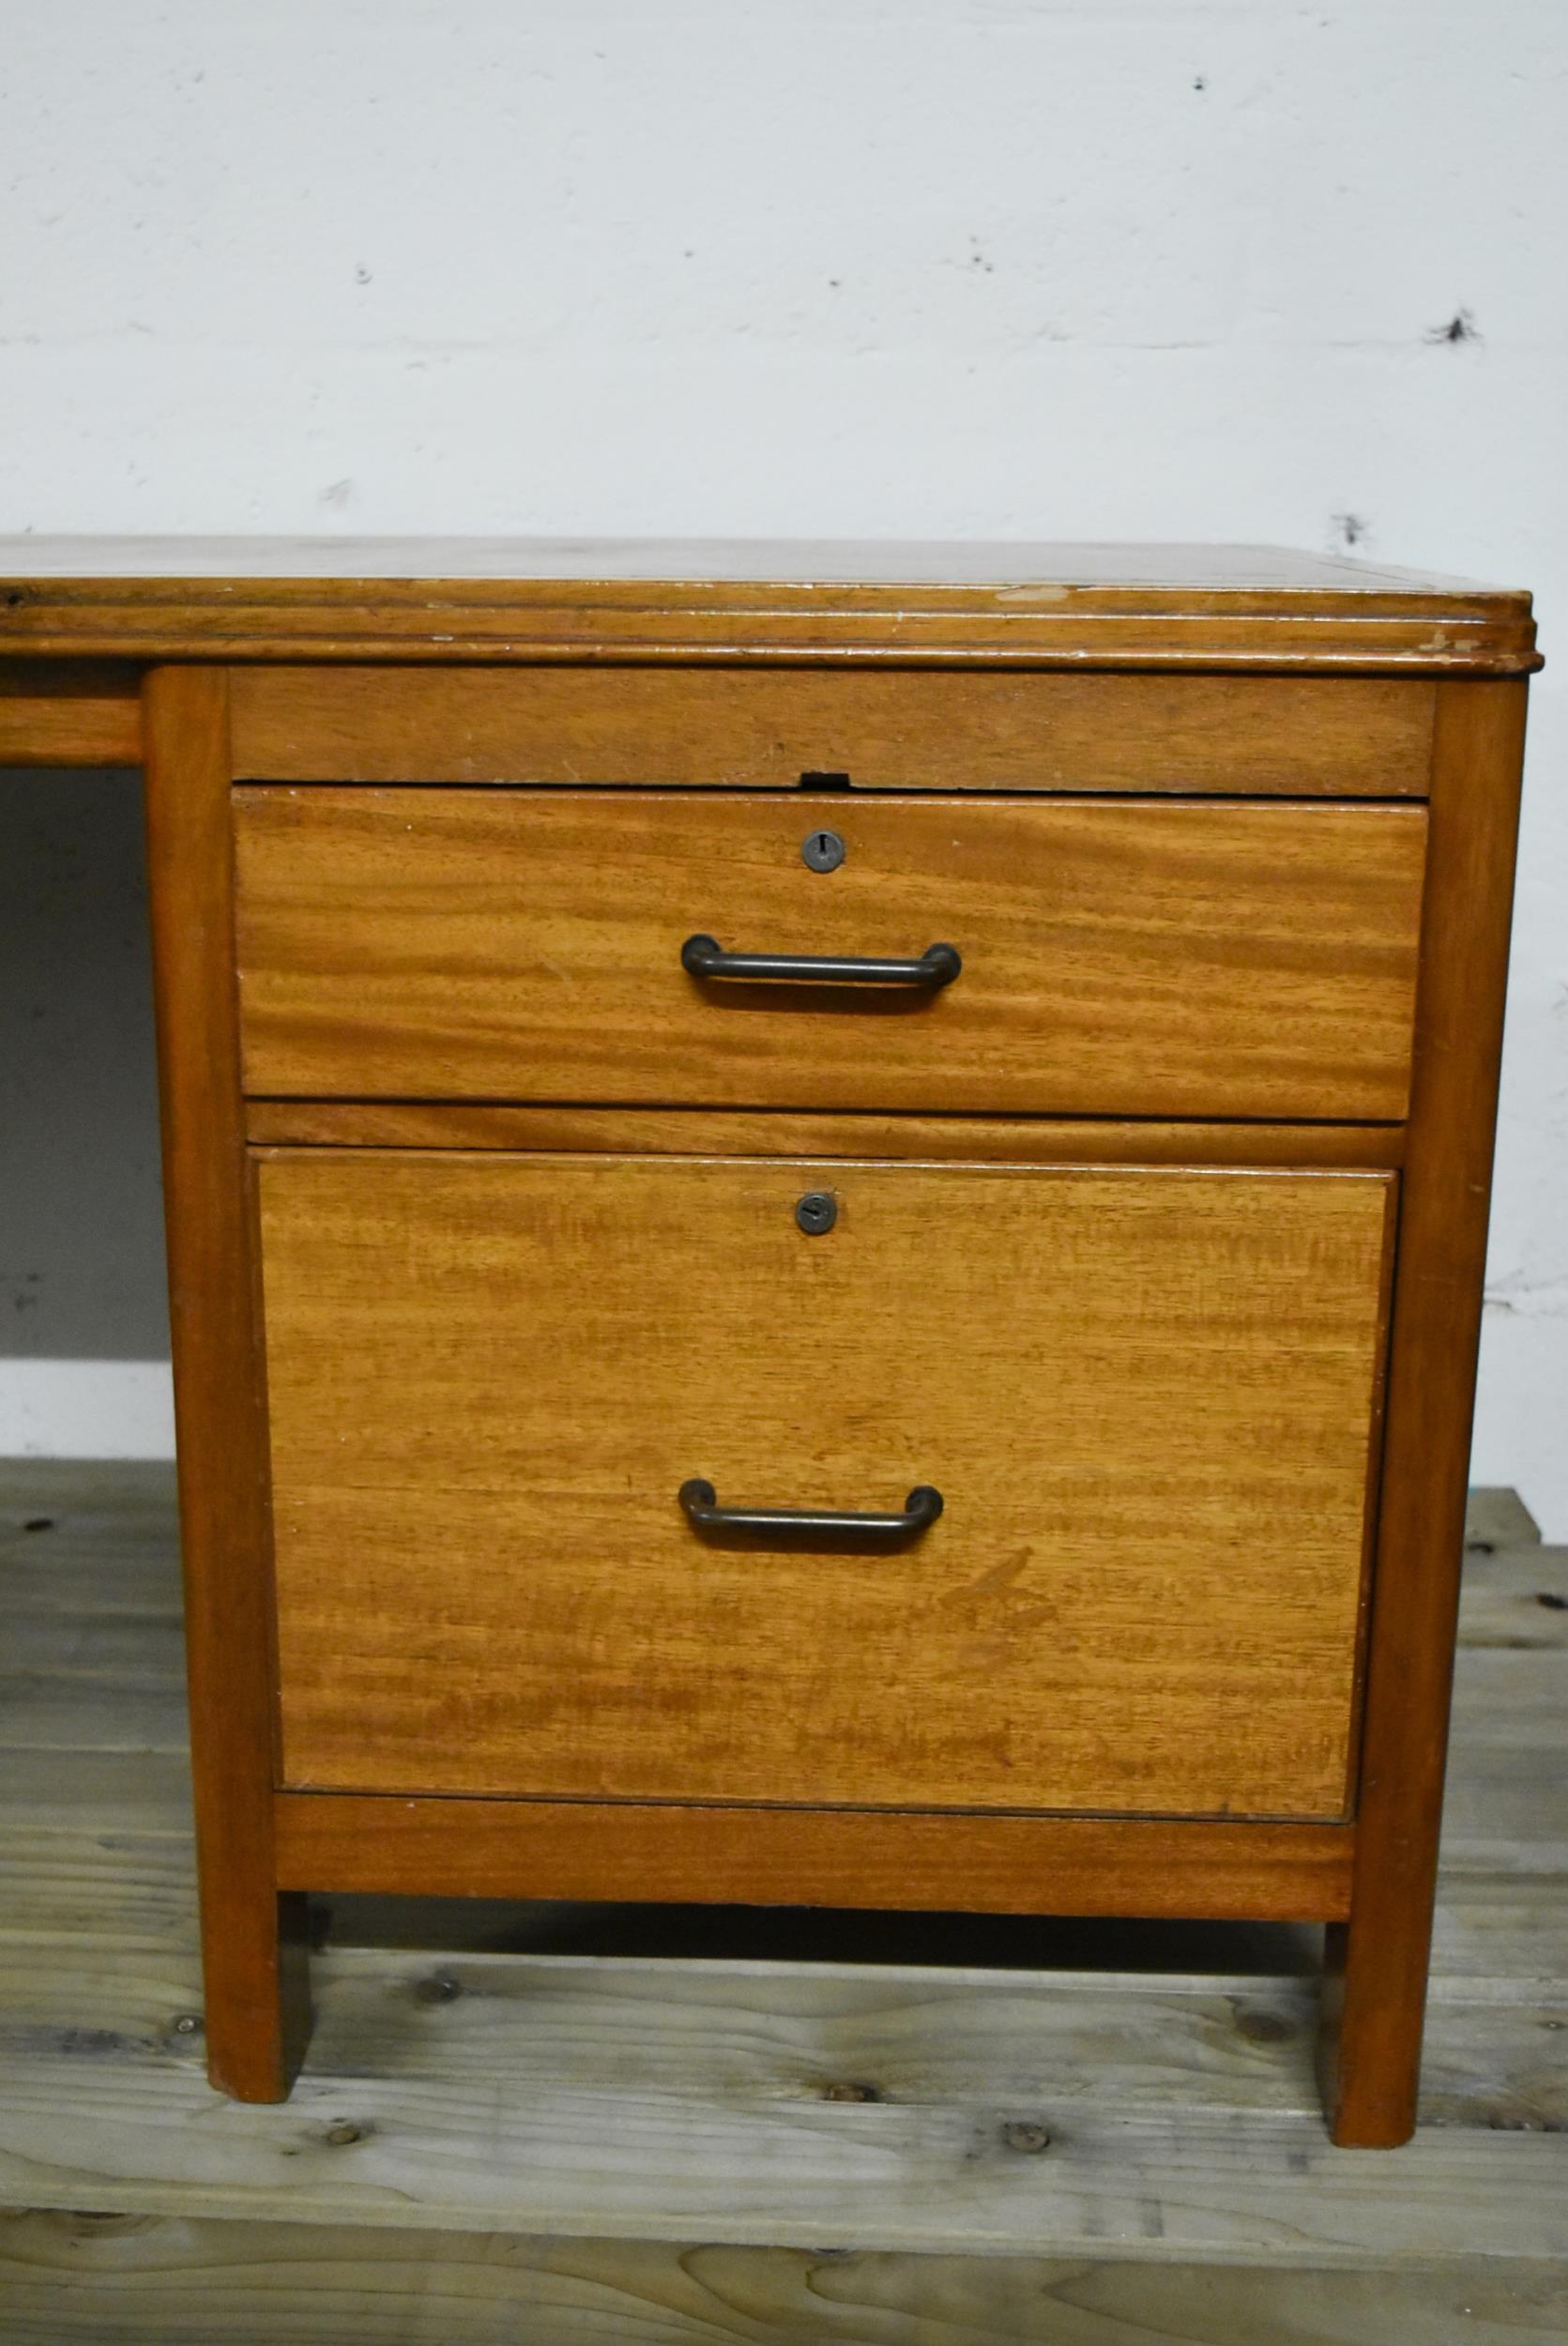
x=1155 y=606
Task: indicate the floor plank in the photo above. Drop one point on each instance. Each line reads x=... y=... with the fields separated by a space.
x=126 y=1890
x=78 y=2281
x=1502 y=1933
x=624 y=2162
x=1515 y=1597
x=1498 y=1519
x=873 y=2125
x=61 y=1713
x=140 y=1650
x=100 y=1537
x=101 y=1793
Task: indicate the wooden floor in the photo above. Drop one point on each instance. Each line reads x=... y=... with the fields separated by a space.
x=545 y=2124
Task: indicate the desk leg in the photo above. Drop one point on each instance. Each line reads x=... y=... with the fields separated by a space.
x=1376 y=1992
x=252 y=1938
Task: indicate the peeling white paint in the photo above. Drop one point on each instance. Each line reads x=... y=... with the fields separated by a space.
x=1007 y=269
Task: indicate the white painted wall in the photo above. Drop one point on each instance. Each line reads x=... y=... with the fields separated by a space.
x=930 y=267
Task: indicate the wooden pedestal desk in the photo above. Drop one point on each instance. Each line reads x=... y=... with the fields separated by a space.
x=825 y=1214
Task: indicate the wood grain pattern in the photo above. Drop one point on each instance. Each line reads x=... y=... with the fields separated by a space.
x=780 y=2032
x=1378 y=1967
x=897 y=730
x=1137 y=957
x=1250 y=986
x=446 y=599
x=601 y=2069
x=69 y=712
x=489 y=1376
x=616 y=2157
x=614 y=2152
x=739 y=1133
x=37 y=1718
x=69 y=2275
x=893 y=1861
x=257 y=2003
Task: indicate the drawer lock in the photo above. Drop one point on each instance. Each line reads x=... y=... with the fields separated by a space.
x=822 y=851
x=816 y=1211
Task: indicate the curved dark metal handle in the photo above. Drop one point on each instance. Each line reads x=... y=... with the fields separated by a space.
x=705 y=957
x=704 y=1514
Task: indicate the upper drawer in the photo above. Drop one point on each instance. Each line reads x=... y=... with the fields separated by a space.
x=1119 y=956
x=889 y=729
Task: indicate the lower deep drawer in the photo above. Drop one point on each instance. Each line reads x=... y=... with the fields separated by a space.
x=1148 y=1398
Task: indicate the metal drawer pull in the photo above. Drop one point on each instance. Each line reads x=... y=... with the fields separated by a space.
x=704 y=1514
x=705 y=957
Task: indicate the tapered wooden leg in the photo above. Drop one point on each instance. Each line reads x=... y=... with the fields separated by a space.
x=1374 y=2003
x=258 y=1999
x=1376 y=1991
x=253 y=1939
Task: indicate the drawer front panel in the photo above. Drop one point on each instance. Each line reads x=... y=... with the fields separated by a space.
x=899 y=729
x=1159 y=958
x=1146 y=1396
